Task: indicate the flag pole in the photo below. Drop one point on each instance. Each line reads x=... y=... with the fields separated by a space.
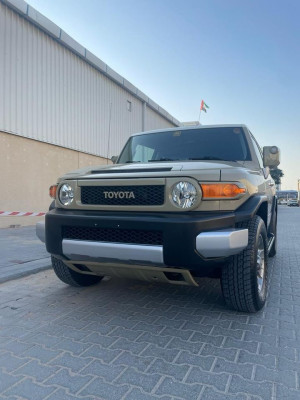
x=199 y=115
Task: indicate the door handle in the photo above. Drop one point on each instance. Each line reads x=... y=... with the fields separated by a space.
x=271 y=184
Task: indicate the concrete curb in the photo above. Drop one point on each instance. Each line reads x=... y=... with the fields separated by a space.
x=20 y=270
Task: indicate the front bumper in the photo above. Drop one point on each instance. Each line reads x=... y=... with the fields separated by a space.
x=40 y=231
x=208 y=244
x=194 y=240
x=214 y=244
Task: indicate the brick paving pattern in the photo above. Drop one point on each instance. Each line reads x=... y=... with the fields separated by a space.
x=22 y=253
x=136 y=341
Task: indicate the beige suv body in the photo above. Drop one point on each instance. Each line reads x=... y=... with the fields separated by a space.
x=179 y=204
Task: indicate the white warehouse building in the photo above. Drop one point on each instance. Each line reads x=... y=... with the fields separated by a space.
x=61 y=108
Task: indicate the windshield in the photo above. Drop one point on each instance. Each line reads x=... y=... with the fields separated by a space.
x=220 y=143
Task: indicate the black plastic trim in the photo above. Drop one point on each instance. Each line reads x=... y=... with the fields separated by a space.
x=250 y=208
x=179 y=229
x=129 y=171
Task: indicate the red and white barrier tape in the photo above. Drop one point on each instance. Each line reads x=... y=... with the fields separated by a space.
x=21 y=214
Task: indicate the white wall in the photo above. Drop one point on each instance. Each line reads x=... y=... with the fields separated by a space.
x=155 y=120
x=51 y=94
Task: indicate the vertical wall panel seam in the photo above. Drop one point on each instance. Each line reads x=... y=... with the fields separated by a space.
x=54 y=96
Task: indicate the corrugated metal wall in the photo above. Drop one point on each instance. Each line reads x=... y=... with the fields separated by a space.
x=155 y=120
x=50 y=94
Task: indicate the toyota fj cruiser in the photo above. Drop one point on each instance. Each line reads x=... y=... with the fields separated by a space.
x=179 y=204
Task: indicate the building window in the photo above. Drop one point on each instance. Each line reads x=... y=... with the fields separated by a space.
x=129 y=105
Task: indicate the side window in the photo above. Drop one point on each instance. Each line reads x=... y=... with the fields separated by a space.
x=258 y=151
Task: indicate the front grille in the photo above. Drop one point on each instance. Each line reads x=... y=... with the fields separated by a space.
x=130 y=236
x=145 y=195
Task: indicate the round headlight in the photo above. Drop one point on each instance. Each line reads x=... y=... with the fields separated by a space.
x=66 y=194
x=184 y=194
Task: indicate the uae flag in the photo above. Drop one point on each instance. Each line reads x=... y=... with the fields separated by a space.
x=204 y=106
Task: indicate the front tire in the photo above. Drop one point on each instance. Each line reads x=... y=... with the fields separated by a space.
x=73 y=278
x=244 y=279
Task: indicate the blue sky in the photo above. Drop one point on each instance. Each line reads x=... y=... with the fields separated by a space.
x=242 y=57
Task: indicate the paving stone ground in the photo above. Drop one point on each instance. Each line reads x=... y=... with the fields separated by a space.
x=136 y=341
x=22 y=253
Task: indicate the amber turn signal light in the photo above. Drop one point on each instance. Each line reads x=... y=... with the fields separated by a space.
x=52 y=191
x=221 y=190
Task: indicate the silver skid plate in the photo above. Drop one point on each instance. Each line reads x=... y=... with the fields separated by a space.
x=174 y=276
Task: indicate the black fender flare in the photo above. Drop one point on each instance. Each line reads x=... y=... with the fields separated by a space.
x=248 y=209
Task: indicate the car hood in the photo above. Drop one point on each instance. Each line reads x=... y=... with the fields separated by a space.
x=157 y=169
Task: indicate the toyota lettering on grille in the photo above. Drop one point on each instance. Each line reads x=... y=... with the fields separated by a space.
x=119 y=195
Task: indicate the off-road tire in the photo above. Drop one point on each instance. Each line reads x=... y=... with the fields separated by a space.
x=70 y=277
x=239 y=276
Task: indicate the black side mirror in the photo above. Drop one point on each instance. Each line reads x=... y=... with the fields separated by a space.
x=114 y=159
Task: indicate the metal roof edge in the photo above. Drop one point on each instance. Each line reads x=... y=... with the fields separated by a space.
x=51 y=29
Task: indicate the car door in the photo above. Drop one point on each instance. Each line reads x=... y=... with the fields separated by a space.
x=270 y=188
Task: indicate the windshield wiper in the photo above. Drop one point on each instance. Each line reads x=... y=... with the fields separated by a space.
x=209 y=158
x=162 y=159
x=131 y=162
